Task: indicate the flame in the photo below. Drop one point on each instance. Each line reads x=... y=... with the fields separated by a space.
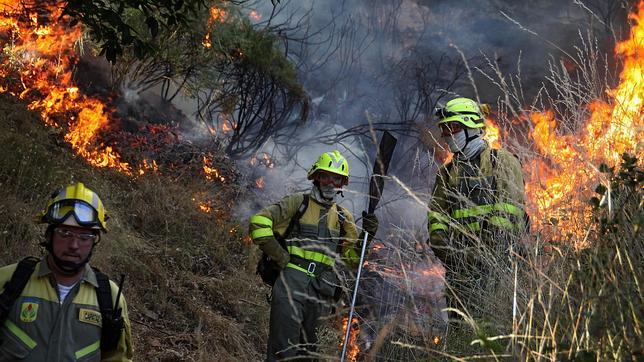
x=148 y=166
x=260 y=183
x=225 y=127
x=563 y=177
x=492 y=133
x=211 y=172
x=217 y=15
x=37 y=67
x=265 y=160
x=255 y=15
x=205 y=204
x=206 y=42
x=352 y=349
x=268 y=161
x=205 y=207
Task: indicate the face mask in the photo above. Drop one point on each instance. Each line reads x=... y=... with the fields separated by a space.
x=328 y=191
x=457 y=142
x=467 y=142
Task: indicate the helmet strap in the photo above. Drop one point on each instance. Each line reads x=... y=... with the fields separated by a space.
x=69 y=268
x=469 y=138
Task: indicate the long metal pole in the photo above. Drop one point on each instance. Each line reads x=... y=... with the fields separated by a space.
x=353 y=300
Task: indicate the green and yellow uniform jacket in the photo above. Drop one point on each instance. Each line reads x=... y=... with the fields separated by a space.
x=40 y=328
x=478 y=199
x=317 y=236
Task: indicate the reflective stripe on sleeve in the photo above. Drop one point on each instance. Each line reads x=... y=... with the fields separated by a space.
x=16 y=331
x=437 y=226
x=509 y=208
x=351 y=256
x=88 y=350
x=472 y=211
x=480 y=210
x=501 y=222
x=311 y=255
x=261 y=220
x=260 y=233
x=438 y=216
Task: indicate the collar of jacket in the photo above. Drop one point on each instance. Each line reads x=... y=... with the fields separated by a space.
x=88 y=273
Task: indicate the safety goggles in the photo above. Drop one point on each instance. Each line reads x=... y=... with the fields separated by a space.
x=450 y=129
x=442 y=113
x=83 y=212
x=327 y=178
x=81 y=237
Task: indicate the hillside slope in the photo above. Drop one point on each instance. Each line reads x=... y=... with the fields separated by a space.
x=192 y=294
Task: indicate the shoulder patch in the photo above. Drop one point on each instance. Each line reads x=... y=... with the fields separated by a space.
x=29 y=310
x=90 y=316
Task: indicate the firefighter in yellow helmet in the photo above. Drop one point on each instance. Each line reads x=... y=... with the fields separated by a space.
x=58 y=307
x=304 y=237
x=478 y=201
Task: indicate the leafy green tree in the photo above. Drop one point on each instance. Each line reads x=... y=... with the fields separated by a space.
x=111 y=30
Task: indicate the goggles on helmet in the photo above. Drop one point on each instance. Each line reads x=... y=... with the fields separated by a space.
x=83 y=212
x=444 y=113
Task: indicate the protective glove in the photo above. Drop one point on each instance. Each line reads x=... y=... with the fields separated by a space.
x=276 y=252
x=369 y=224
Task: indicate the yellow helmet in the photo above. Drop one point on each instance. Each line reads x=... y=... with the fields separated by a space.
x=332 y=162
x=462 y=110
x=78 y=201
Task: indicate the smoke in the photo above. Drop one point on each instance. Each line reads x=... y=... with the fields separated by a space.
x=396 y=59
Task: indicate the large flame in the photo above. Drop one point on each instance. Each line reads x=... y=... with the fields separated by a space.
x=37 y=61
x=563 y=178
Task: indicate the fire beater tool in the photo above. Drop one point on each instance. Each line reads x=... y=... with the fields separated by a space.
x=377 y=182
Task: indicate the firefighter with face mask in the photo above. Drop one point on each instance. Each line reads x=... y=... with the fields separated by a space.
x=477 y=205
x=59 y=308
x=317 y=235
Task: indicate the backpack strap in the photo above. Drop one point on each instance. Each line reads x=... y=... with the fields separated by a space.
x=112 y=320
x=298 y=215
x=14 y=287
x=341 y=219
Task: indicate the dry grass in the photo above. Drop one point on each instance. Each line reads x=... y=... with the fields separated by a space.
x=190 y=295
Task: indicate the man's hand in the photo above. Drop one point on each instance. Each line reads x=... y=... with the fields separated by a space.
x=277 y=253
x=369 y=224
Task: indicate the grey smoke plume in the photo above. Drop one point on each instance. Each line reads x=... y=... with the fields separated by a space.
x=395 y=59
